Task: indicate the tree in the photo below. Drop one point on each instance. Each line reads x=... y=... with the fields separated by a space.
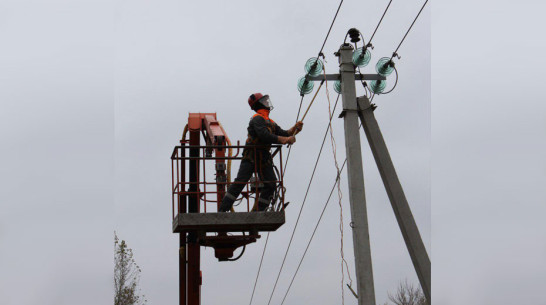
x=126 y=275
x=408 y=294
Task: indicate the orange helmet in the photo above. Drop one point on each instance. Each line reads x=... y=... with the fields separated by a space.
x=254 y=98
x=264 y=100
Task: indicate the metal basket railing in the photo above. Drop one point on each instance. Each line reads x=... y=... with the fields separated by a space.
x=210 y=190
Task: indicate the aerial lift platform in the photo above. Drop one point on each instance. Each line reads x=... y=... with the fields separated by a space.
x=197 y=194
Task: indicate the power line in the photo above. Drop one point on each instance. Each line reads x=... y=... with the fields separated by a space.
x=286 y=164
x=259 y=269
x=315 y=230
x=396 y=51
x=380 y=20
x=330 y=29
x=318 y=222
x=301 y=208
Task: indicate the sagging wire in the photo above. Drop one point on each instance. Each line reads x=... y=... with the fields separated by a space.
x=380 y=20
x=386 y=65
x=320 y=218
x=290 y=149
x=314 y=230
x=240 y=254
x=340 y=197
x=320 y=54
x=299 y=213
x=395 y=83
x=395 y=53
x=259 y=269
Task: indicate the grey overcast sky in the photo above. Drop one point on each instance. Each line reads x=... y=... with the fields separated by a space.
x=95 y=95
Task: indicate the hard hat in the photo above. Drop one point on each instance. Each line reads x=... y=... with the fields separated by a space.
x=260 y=98
x=254 y=98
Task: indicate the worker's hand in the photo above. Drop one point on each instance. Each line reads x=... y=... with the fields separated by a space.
x=287 y=140
x=298 y=126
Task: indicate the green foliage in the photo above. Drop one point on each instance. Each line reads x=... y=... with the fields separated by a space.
x=126 y=275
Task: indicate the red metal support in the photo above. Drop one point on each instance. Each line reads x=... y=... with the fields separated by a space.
x=194 y=250
x=191 y=160
x=182 y=255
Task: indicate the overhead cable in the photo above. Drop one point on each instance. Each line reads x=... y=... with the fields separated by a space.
x=259 y=269
x=380 y=20
x=395 y=53
x=301 y=209
x=314 y=231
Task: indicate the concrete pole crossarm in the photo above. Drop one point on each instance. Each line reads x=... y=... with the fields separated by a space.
x=359 y=217
x=398 y=200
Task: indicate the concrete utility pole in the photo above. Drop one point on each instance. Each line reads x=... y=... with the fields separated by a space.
x=399 y=203
x=359 y=216
x=353 y=109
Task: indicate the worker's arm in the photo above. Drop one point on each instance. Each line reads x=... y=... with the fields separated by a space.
x=286 y=136
x=294 y=130
x=281 y=132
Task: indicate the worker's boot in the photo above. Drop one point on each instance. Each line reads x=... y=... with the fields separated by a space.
x=227 y=203
x=263 y=204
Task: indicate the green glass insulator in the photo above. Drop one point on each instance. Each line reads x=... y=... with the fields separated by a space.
x=378 y=86
x=361 y=59
x=313 y=66
x=384 y=66
x=305 y=87
x=337 y=86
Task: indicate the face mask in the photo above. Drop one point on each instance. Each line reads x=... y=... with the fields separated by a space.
x=266 y=102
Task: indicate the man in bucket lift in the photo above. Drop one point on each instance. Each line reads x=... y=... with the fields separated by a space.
x=262 y=131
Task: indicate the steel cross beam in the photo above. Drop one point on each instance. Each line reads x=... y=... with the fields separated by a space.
x=361 y=108
x=338 y=77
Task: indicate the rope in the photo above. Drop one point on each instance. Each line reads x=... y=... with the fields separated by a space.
x=340 y=196
x=318 y=222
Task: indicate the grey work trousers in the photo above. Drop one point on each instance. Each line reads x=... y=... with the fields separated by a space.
x=267 y=177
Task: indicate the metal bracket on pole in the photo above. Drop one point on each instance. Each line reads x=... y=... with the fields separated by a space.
x=360 y=107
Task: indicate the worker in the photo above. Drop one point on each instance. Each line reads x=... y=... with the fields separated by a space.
x=262 y=131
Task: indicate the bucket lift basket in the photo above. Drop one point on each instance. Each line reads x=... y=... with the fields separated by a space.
x=199 y=182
